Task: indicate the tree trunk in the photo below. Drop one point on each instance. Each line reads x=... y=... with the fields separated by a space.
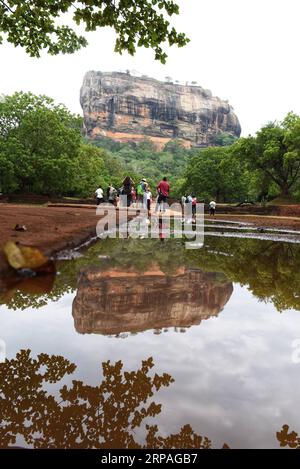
x=285 y=191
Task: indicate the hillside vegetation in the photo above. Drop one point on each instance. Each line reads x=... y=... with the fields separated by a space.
x=42 y=151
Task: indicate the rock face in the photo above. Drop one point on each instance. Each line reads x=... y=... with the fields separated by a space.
x=129 y=108
x=117 y=301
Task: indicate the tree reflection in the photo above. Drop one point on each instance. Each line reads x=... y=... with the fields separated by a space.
x=107 y=254
x=113 y=414
x=84 y=416
x=27 y=292
x=289 y=439
x=270 y=270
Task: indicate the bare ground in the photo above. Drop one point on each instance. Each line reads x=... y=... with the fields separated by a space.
x=51 y=229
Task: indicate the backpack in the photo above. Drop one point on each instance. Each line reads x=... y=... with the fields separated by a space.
x=188 y=200
x=139 y=190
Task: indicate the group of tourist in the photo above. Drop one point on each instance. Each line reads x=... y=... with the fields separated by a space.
x=140 y=196
x=192 y=199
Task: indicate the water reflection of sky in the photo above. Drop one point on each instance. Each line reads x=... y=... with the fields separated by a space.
x=234 y=377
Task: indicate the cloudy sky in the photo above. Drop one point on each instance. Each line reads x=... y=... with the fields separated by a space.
x=246 y=52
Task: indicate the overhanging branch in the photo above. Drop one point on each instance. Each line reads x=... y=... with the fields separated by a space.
x=6 y=6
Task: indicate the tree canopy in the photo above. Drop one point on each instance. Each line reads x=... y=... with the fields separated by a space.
x=34 y=25
x=107 y=415
x=254 y=168
x=275 y=152
x=144 y=160
x=215 y=173
x=42 y=151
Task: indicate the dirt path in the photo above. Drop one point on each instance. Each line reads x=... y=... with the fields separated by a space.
x=49 y=228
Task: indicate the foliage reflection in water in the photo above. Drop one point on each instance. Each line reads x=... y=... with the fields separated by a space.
x=238 y=364
x=85 y=416
x=270 y=270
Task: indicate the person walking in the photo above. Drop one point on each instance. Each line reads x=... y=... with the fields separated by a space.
x=140 y=192
x=212 y=207
x=163 y=189
x=108 y=190
x=112 y=194
x=194 y=205
x=148 y=199
x=99 y=195
x=127 y=189
x=188 y=215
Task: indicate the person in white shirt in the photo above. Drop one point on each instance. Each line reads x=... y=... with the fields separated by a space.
x=99 y=195
x=188 y=209
x=147 y=199
x=212 y=207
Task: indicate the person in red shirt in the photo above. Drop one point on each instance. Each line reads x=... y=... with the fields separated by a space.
x=163 y=189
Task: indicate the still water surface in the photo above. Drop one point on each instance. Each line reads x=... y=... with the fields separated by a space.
x=220 y=322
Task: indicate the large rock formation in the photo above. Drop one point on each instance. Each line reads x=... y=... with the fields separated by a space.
x=116 y=301
x=129 y=108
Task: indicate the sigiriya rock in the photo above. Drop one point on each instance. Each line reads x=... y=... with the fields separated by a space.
x=129 y=109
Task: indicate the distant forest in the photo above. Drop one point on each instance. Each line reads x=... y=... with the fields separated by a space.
x=42 y=151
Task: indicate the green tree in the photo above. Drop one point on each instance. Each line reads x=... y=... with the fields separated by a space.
x=178 y=188
x=224 y=139
x=176 y=148
x=34 y=25
x=214 y=172
x=144 y=160
x=14 y=108
x=8 y=181
x=89 y=170
x=40 y=140
x=42 y=151
x=275 y=152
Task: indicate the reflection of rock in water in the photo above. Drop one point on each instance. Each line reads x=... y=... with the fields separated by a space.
x=115 y=301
